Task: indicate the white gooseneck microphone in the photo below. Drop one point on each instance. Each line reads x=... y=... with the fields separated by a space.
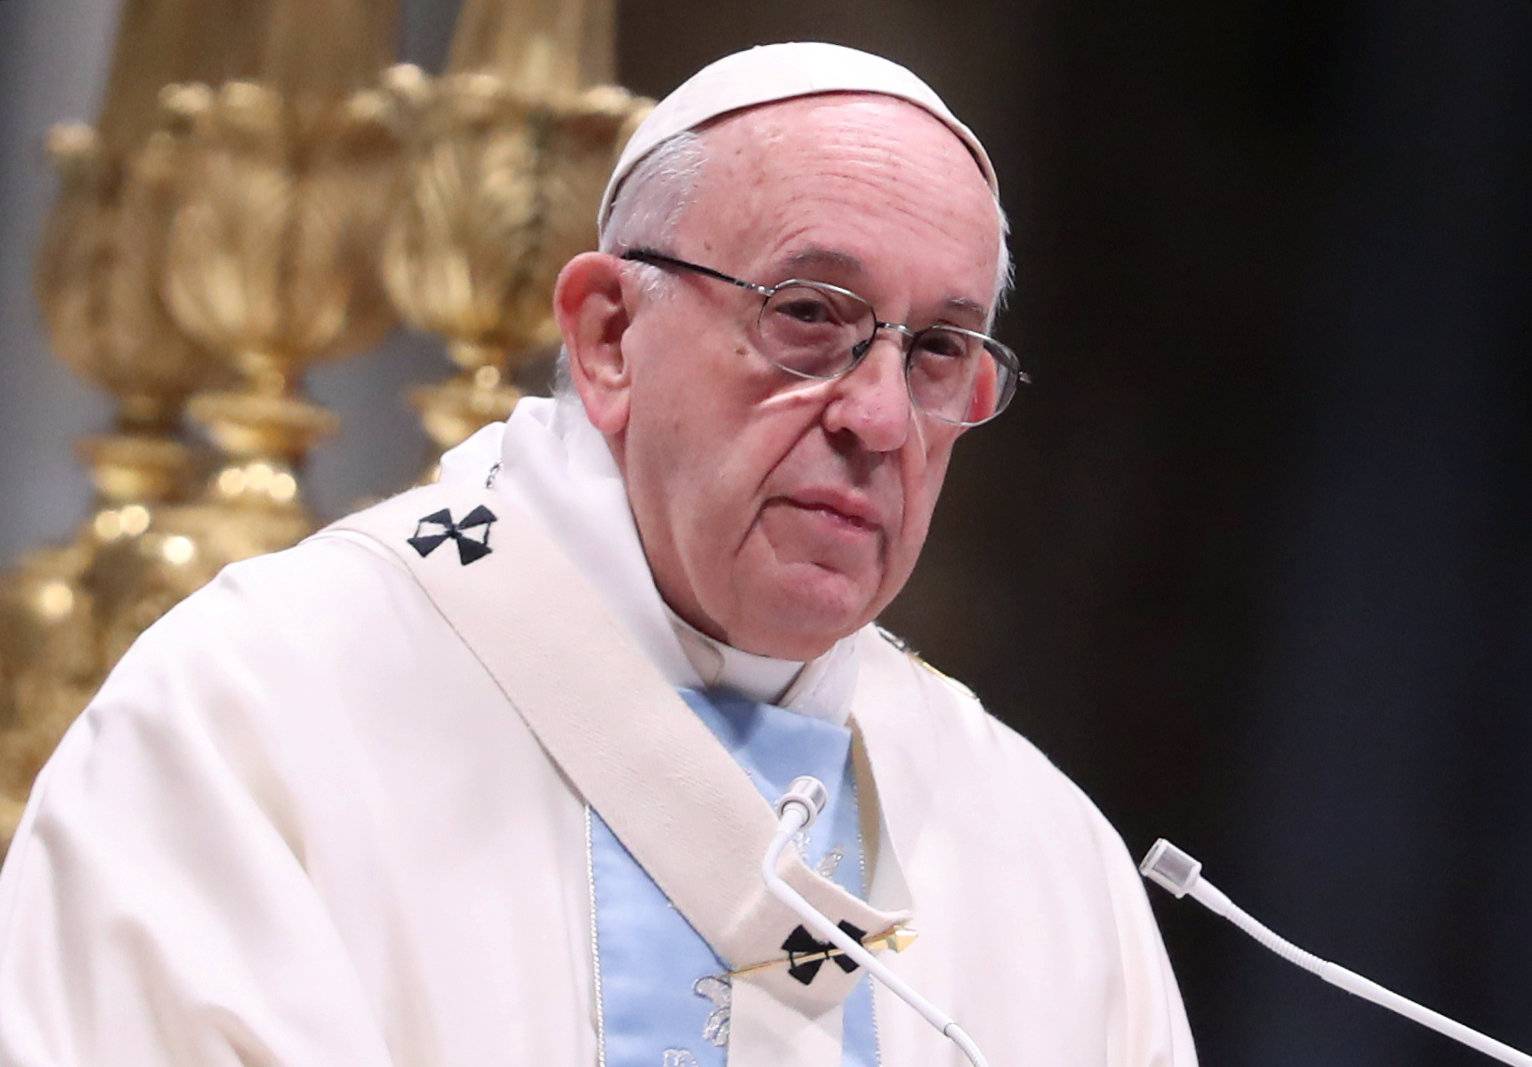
x=798 y=808
x=1179 y=873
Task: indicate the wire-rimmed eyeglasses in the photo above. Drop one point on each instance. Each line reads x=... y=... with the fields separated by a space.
x=820 y=331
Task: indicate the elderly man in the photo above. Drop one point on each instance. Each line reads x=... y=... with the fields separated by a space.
x=484 y=773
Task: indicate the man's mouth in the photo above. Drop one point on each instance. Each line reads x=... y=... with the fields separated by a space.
x=837 y=516
x=845 y=510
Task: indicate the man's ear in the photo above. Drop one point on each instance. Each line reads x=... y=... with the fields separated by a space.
x=589 y=303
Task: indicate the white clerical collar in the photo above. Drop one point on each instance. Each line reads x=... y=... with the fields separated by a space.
x=559 y=468
x=724 y=666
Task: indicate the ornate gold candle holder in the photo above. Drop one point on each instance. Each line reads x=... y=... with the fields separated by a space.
x=272 y=264
x=503 y=171
x=98 y=284
x=243 y=222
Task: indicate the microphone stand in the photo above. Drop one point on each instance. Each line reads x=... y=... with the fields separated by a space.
x=1180 y=874
x=796 y=810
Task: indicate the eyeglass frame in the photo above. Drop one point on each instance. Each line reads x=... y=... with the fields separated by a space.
x=861 y=348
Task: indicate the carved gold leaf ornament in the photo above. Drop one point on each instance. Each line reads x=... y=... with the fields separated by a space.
x=540 y=47
x=452 y=253
x=98 y=277
x=499 y=190
x=506 y=154
x=271 y=261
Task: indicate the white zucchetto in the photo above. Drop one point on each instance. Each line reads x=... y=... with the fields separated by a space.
x=772 y=72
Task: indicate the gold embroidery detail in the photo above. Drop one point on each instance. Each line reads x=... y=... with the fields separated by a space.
x=897 y=938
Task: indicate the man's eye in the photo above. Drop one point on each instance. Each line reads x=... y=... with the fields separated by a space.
x=807 y=310
x=943 y=344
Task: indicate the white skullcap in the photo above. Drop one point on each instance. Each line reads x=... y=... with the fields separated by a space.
x=772 y=72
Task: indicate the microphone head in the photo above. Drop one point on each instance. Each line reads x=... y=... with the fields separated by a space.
x=1171 y=868
x=807 y=791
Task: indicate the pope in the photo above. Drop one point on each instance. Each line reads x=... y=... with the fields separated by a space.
x=485 y=772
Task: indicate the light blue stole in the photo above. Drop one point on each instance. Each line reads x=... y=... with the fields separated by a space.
x=664 y=995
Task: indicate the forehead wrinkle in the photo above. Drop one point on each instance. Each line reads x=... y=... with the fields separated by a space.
x=843 y=175
x=902 y=207
x=907 y=204
x=857 y=157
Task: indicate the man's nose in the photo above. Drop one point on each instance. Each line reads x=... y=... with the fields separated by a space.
x=873 y=401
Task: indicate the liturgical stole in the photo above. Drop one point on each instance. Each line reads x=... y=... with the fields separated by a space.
x=665 y=998
x=672 y=786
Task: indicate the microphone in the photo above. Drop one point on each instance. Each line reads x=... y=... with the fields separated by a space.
x=1180 y=874
x=796 y=810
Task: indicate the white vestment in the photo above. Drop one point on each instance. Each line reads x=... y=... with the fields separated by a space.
x=310 y=818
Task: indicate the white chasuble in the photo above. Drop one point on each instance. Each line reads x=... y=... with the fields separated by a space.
x=648 y=765
x=332 y=809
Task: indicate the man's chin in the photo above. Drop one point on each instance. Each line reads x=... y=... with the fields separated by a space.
x=802 y=612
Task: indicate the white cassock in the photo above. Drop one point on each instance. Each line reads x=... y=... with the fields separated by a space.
x=332 y=809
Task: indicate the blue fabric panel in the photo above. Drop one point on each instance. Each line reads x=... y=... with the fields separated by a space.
x=652 y=960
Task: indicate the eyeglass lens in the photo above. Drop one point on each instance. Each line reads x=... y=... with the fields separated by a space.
x=819 y=332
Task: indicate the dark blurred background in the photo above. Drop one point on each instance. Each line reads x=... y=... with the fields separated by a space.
x=1251 y=561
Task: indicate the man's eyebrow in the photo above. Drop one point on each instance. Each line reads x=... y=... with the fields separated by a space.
x=826 y=258
x=807 y=261
x=962 y=305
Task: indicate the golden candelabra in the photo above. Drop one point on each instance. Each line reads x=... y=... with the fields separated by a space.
x=271 y=259
x=255 y=199
x=152 y=192
x=66 y=611
x=506 y=155
x=272 y=264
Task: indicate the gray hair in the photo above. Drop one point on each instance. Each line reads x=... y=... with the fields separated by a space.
x=647 y=210
x=649 y=206
x=654 y=196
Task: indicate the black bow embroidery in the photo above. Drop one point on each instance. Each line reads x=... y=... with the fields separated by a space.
x=469 y=548
x=805 y=954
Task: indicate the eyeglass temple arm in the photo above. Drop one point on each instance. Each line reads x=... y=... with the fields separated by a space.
x=645 y=255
